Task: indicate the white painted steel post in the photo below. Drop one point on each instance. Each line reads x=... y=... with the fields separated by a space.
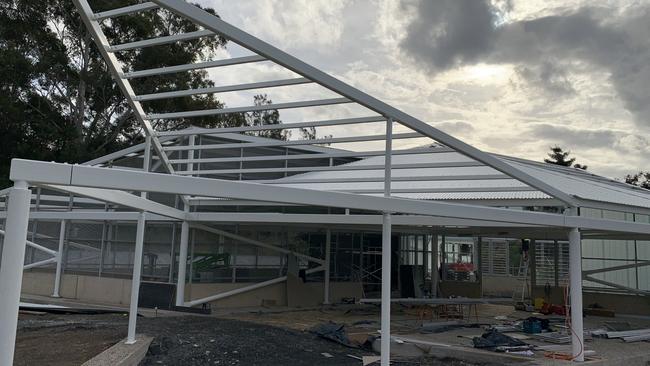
x=328 y=246
x=386 y=252
x=59 y=260
x=185 y=236
x=135 y=281
x=137 y=254
x=182 y=264
x=11 y=270
x=575 y=275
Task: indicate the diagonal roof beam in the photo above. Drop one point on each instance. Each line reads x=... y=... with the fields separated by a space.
x=114 y=66
x=280 y=57
x=121 y=198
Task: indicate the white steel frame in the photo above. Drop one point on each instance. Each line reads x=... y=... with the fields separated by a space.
x=115 y=185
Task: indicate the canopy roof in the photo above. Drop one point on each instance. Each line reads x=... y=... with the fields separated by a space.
x=379 y=167
x=474 y=182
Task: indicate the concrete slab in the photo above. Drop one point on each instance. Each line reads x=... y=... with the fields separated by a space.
x=122 y=354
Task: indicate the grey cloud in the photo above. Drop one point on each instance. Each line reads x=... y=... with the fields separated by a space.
x=570 y=138
x=455 y=127
x=546 y=76
x=442 y=35
x=450 y=33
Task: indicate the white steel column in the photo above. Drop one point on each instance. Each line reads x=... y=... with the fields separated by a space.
x=326 y=285
x=11 y=270
x=59 y=260
x=185 y=236
x=135 y=281
x=137 y=254
x=182 y=263
x=386 y=252
x=575 y=276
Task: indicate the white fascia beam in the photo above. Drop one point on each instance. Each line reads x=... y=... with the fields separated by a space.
x=282 y=58
x=86 y=176
x=121 y=198
x=93 y=215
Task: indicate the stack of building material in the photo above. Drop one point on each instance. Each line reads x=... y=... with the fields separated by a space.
x=631 y=335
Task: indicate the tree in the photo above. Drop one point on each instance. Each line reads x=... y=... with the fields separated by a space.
x=558 y=156
x=58 y=100
x=640 y=179
x=269 y=117
x=308 y=133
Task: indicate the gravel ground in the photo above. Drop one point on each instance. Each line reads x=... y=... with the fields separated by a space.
x=63 y=340
x=188 y=340
x=212 y=341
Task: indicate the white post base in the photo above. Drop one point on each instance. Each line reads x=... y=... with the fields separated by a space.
x=11 y=270
x=575 y=276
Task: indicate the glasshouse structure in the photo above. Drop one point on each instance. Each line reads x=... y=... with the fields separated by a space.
x=380 y=205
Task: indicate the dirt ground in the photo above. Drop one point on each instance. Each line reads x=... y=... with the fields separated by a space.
x=186 y=340
x=62 y=340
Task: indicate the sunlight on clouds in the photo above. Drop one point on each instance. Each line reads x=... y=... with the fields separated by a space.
x=484 y=73
x=508 y=108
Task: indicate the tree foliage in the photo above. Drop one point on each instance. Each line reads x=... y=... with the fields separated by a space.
x=641 y=179
x=58 y=100
x=558 y=156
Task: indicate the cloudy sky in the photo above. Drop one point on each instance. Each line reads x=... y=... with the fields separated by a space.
x=509 y=76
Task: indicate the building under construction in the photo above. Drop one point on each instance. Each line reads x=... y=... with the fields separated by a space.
x=387 y=207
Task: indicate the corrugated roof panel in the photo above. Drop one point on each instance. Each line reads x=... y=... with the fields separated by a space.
x=587 y=187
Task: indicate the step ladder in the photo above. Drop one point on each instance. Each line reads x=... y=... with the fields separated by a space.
x=522 y=292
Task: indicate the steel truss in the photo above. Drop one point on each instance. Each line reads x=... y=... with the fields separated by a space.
x=189 y=176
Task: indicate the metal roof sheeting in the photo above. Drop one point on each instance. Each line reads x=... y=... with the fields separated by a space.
x=578 y=183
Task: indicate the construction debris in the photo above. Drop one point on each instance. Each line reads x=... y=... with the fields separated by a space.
x=493 y=339
x=439 y=327
x=333 y=332
x=629 y=336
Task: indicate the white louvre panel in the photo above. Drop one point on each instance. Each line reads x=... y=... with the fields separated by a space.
x=545 y=262
x=494 y=257
x=563 y=263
